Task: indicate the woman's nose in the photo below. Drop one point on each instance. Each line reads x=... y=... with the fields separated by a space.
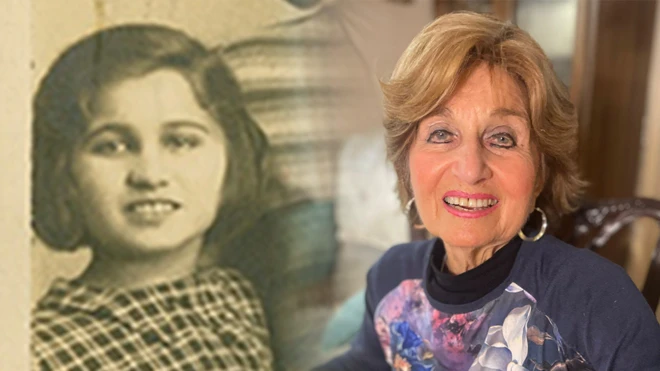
x=471 y=165
x=147 y=171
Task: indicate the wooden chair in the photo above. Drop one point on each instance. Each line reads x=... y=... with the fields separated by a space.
x=595 y=223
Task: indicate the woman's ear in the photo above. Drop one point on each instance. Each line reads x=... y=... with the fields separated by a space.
x=531 y=206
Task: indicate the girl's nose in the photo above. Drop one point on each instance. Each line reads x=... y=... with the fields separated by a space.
x=148 y=171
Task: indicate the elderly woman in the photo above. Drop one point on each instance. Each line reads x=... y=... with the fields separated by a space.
x=483 y=138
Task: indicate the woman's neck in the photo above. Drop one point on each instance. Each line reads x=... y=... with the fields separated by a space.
x=109 y=271
x=462 y=259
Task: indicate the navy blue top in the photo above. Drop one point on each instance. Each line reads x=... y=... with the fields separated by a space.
x=560 y=308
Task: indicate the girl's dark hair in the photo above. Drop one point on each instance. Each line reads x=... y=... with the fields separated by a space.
x=61 y=111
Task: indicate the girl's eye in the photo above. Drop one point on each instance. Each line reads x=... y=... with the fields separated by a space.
x=109 y=147
x=180 y=142
x=440 y=136
x=503 y=140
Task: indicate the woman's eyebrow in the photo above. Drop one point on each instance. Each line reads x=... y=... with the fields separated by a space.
x=442 y=112
x=501 y=112
x=185 y=123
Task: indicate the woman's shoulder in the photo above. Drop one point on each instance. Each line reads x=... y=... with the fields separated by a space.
x=586 y=294
x=581 y=275
x=405 y=256
x=399 y=263
x=560 y=259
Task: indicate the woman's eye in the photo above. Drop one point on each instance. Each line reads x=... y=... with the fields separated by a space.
x=179 y=142
x=109 y=147
x=439 y=136
x=503 y=140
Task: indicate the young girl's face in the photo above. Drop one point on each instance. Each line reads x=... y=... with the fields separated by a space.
x=150 y=167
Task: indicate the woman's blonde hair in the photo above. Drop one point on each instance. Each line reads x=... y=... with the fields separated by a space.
x=442 y=56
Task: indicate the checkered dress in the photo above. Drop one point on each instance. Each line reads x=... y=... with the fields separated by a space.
x=211 y=320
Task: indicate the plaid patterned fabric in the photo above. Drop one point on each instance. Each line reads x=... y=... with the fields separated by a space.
x=212 y=320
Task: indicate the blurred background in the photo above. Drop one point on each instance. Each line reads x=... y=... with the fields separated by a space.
x=607 y=52
x=310 y=72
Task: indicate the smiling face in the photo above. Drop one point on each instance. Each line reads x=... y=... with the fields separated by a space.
x=149 y=170
x=473 y=165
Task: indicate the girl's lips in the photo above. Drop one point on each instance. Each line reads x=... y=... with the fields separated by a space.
x=150 y=212
x=151 y=203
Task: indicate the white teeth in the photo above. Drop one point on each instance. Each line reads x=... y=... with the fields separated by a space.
x=153 y=207
x=470 y=202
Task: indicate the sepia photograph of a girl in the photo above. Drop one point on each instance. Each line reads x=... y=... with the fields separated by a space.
x=143 y=152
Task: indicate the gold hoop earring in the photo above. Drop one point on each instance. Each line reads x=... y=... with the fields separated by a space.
x=407 y=210
x=544 y=226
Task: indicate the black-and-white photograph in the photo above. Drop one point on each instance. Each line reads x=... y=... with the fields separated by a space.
x=187 y=166
x=171 y=179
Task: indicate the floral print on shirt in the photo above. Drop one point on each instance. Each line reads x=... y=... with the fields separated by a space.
x=507 y=334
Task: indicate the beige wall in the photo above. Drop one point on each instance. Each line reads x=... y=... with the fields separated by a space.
x=381 y=30
x=551 y=24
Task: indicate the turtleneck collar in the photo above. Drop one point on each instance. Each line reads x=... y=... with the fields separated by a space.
x=474 y=283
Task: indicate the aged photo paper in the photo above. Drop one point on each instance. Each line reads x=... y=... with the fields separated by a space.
x=181 y=152
x=110 y=102
x=14 y=261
